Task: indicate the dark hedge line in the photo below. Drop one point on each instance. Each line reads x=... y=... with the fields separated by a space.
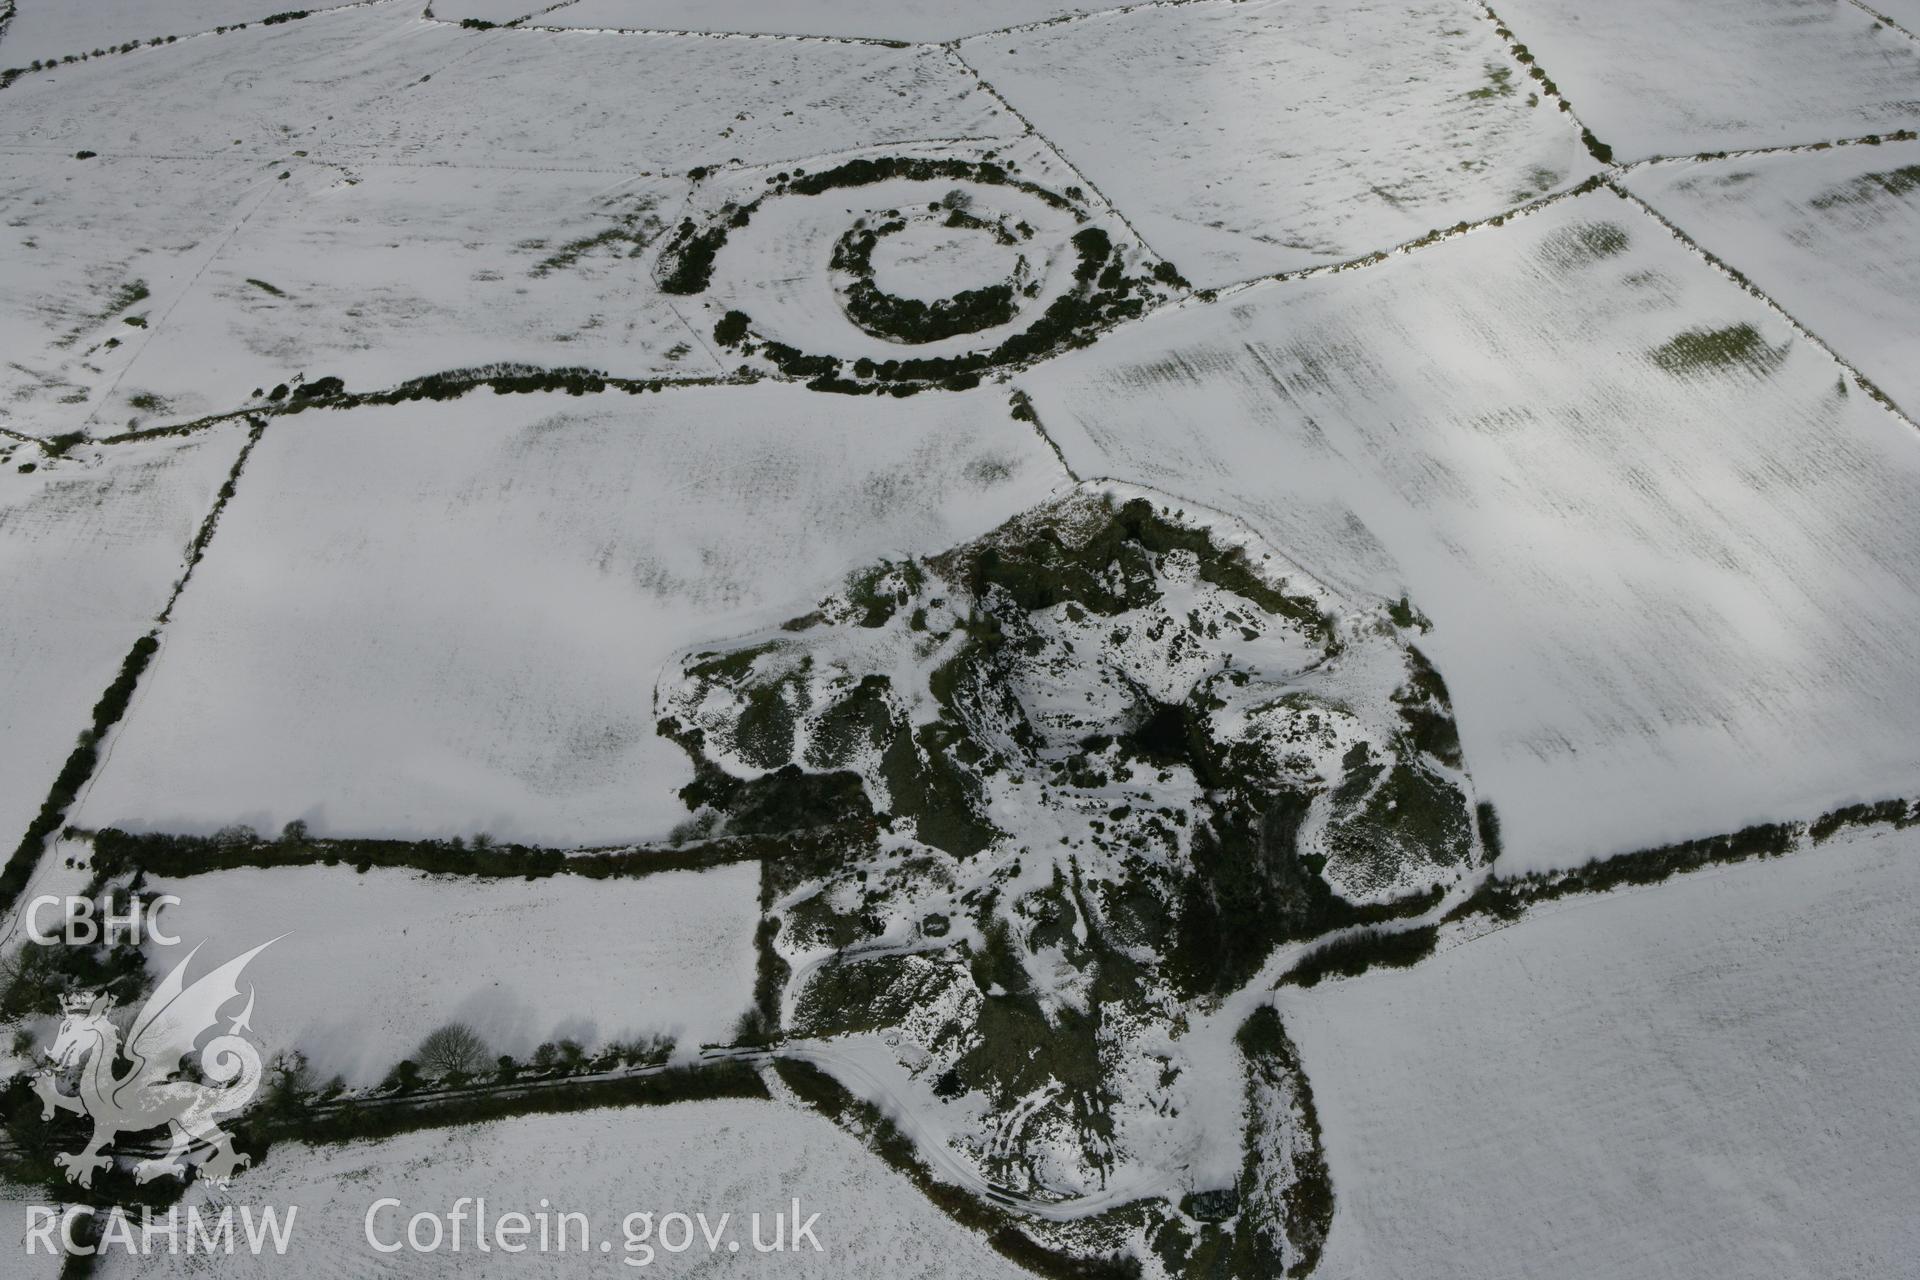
x=911 y=320
x=1507 y=898
x=117 y=852
x=1102 y=295
x=1352 y=956
x=353 y=1121
x=78 y=768
x=1896 y=813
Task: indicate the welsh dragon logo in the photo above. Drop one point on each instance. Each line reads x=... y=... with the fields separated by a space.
x=145 y=1096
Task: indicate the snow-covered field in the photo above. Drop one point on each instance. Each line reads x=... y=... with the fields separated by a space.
x=496 y=11
x=241 y=282
x=381 y=83
x=1673 y=562
x=1280 y=135
x=90 y=548
x=1655 y=78
x=1708 y=1077
x=44 y=30
x=1833 y=236
x=447 y=617
x=371 y=963
x=1904 y=12
x=735 y=1157
x=369 y=222
x=1659 y=543
x=876 y=19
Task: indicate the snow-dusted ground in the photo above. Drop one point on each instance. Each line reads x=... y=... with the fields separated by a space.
x=370 y=963
x=1655 y=78
x=375 y=277
x=90 y=548
x=1279 y=135
x=420 y=198
x=446 y=617
x=380 y=83
x=1708 y=1077
x=1669 y=601
x=878 y=19
x=43 y=30
x=737 y=1157
x=1833 y=236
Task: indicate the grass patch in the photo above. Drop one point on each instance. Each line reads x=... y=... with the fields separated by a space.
x=1868 y=187
x=1499 y=84
x=1737 y=346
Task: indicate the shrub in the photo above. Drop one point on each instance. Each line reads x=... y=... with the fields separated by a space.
x=732 y=329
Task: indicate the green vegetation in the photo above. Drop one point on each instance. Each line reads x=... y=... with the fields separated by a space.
x=1249 y=888
x=1356 y=953
x=1499 y=83
x=1102 y=295
x=1737 y=346
x=910 y=319
x=1585 y=244
x=635 y=229
x=1899 y=814
x=689 y=255
x=1102 y=292
x=1868 y=187
x=1305 y=1199
x=731 y=330
x=1507 y=898
x=77 y=769
x=119 y=852
x=371 y=1120
x=1488 y=821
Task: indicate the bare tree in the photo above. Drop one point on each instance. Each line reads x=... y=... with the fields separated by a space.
x=455 y=1049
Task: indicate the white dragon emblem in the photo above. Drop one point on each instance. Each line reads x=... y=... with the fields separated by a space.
x=145 y=1096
